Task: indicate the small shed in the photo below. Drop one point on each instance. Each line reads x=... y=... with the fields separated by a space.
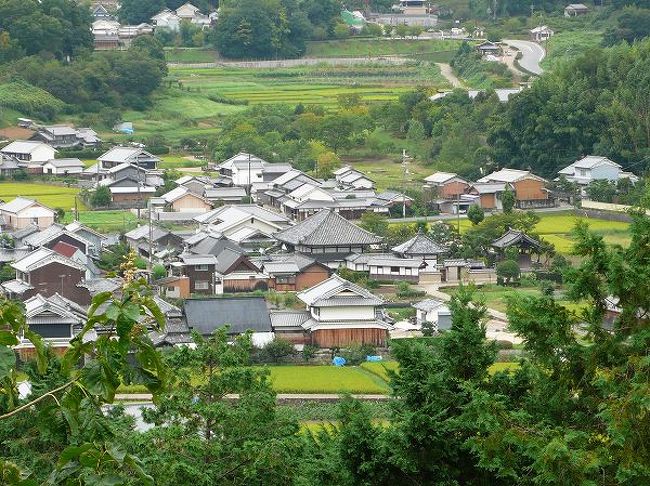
x=526 y=245
x=575 y=9
x=488 y=48
x=541 y=33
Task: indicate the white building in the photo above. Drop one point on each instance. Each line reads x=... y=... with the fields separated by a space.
x=595 y=168
x=63 y=167
x=434 y=311
x=30 y=151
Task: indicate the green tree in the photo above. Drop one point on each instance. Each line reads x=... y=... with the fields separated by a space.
x=508 y=200
x=326 y=164
x=375 y=223
x=135 y=12
x=223 y=441
x=101 y=197
x=508 y=270
x=475 y=214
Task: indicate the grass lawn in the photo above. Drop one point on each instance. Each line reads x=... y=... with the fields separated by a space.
x=388 y=173
x=568 y=44
x=47 y=194
x=324 y=379
x=178 y=162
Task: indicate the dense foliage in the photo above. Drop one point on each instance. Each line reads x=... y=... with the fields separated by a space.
x=55 y=27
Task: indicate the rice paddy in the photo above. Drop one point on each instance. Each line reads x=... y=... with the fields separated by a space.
x=53 y=196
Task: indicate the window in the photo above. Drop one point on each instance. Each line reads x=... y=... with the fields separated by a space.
x=201 y=285
x=394 y=269
x=201 y=268
x=287 y=279
x=171 y=289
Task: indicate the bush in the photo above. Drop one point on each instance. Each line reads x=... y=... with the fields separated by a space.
x=427 y=329
x=276 y=351
x=308 y=351
x=508 y=271
x=356 y=354
x=159 y=272
x=503 y=344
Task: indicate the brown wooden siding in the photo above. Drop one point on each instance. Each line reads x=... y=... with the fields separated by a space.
x=530 y=190
x=452 y=190
x=58 y=278
x=337 y=338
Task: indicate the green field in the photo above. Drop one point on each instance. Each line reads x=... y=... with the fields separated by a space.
x=47 y=194
x=324 y=379
x=556 y=228
x=388 y=173
x=569 y=44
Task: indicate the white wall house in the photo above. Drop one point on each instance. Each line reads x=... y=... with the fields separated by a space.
x=63 y=167
x=594 y=168
x=29 y=151
x=434 y=311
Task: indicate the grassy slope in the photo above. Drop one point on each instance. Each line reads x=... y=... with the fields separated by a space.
x=565 y=45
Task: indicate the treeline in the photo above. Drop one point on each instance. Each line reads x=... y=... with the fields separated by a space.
x=90 y=83
x=60 y=28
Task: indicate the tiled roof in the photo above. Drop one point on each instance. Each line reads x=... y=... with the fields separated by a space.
x=326 y=228
x=429 y=304
x=420 y=244
x=241 y=314
x=289 y=319
x=513 y=237
x=336 y=289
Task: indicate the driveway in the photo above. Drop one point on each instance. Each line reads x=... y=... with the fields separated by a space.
x=531 y=54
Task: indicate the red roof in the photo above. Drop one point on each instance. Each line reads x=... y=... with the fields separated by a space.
x=65 y=249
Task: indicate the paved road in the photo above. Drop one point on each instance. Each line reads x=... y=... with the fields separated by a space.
x=531 y=54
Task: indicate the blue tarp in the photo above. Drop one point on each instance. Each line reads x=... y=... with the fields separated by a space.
x=374 y=359
x=338 y=361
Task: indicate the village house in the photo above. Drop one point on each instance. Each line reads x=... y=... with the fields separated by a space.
x=327 y=237
x=182 y=199
x=196 y=184
x=488 y=48
x=421 y=247
x=46 y=272
x=29 y=152
x=575 y=10
x=595 y=168
x=445 y=185
x=435 y=312
x=56 y=319
x=530 y=190
x=488 y=195
x=63 y=167
x=128 y=155
x=340 y=313
x=100 y=12
x=174 y=287
x=541 y=33
x=237 y=273
x=291 y=272
x=138 y=240
x=240 y=314
x=8 y=165
x=349 y=177
x=61 y=136
x=22 y=212
x=201 y=271
x=225 y=195
x=106 y=34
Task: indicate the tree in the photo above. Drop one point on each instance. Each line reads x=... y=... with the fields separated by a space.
x=602 y=191
x=159 y=271
x=223 y=441
x=508 y=270
x=475 y=214
x=326 y=164
x=135 y=12
x=375 y=223
x=72 y=439
x=508 y=200
x=101 y=197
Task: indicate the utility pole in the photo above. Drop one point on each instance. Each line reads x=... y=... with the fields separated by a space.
x=150 y=235
x=405 y=162
x=250 y=183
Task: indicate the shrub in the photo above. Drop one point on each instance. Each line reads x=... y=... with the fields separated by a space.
x=159 y=272
x=308 y=351
x=508 y=271
x=427 y=329
x=276 y=351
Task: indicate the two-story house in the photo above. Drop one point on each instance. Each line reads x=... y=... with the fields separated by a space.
x=530 y=190
x=21 y=212
x=595 y=168
x=29 y=152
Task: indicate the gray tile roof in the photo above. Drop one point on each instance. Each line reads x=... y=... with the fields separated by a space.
x=326 y=228
x=420 y=244
x=289 y=320
x=513 y=237
x=207 y=315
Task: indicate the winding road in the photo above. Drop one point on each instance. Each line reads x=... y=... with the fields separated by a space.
x=531 y=54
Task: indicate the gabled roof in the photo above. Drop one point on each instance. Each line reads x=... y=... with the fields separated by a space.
x=513 y=237
x=65 y=249
x=180 y=192
x=192 y=259
x=285 y=262
x=241 y=157
x=326 y=228
x=228 y=259
x=541 y=28
x=125 y=154
x=143 y=232
x=20 y=204
x=24 y=147
x=430 y=304
x=420 y=244
x=589 y=162
x=510 y=175
x=336 y=291
x=66 y=311
x=577 y=6
x=441 y=177
x=488 y=187
x=43 y=256
x=241 y=314
x=63 y=163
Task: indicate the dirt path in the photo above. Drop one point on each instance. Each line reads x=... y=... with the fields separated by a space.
x=448 y=73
